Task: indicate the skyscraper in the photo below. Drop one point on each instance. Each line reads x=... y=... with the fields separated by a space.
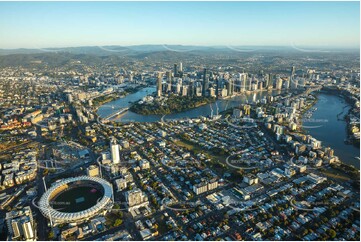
x=287 y=84
x=230 y=87
x=218 y=80
x=168 y=75
x=242 y=83
x=159 y=84
x=293 y=70
x=169 y=81
x=191 y=88
x=114 y=149
x=270 y=81
x=184 y=90
x=205 y=83
x=279 y=84
x=249 y=84
x=175 y=70
x=266 y=81
x=294 y=84
x=180 y=67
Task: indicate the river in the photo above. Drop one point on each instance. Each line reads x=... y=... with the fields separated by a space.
x=204 y=110
x=331 y=131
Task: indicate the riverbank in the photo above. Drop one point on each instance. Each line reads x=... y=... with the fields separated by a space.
x=170 y=105
x=204 y=110
x=97 y=102
x=332 y=131
x=243 y=93
x=353 y=130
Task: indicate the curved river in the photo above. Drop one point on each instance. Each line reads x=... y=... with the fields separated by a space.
x=332 y=131
x=204 y=110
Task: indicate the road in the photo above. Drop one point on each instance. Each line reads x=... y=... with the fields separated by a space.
x=26 y=143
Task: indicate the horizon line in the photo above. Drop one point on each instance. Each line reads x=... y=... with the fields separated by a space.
x=188 y=45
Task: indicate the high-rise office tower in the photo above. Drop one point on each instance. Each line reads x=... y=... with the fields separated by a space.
x=218 y=80
x=159 y=84
x=242 y=81
x=198 y=90
x=114 y=150
x=287 y=84
x=169 y=81
x=294 y=84
x=177 y=86
x=302 y=82
x=243 y=85
x=175 y=70
x=184 y=90
x=266 y=81
x=270 y=81
x=230 y=87
x=180 y=67
x=212 y=92
x=249 y=84
x=191 y=88
x=205 y=83
x=279 y=84
x=293 y=70
x=169 y=76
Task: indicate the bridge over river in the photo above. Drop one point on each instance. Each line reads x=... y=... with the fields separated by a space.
x=120 y=111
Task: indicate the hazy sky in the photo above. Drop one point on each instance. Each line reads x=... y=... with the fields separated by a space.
x=61 y=24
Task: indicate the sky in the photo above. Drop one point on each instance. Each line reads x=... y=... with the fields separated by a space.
x=70 y=24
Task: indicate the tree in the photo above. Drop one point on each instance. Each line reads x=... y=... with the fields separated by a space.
x=51 y=235
x=118 y=222
x=332 y=233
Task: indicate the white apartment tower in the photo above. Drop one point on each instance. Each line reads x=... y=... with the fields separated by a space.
x=114 y=151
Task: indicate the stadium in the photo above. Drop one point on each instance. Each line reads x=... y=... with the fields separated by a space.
x=76 y=199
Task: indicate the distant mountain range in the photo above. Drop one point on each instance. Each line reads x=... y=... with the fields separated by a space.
x=110 y=50
x=95 y=55
x=137 y=49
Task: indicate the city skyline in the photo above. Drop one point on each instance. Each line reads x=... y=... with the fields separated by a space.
x=71 y=24
x=180 y=121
